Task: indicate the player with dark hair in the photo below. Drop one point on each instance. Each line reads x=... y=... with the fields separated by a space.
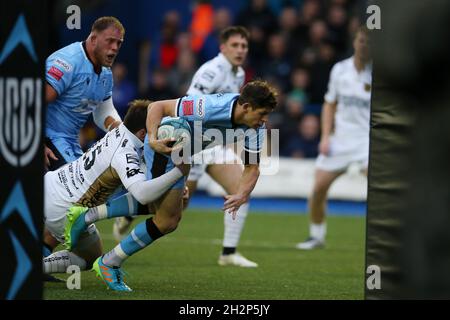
x=113 y=161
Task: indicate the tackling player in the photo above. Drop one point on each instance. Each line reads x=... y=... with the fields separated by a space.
x=88 y=181
x=345 y=131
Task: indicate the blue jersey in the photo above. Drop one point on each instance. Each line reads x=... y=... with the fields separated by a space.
x=215 y=111
x=80 y=90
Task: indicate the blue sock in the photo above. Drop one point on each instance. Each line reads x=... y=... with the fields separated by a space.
x=46 y=251
x=124 y=205
x=142 y=236
x=136 y=240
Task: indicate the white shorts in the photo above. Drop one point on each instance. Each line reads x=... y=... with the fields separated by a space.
x=55 y=210
x=215 y=155
x=342 y=155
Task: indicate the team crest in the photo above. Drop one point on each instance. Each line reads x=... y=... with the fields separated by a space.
x=367 y=86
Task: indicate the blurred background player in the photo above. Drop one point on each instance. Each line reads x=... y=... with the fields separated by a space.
x=238 y=112
x=345 y=131
x=79 y=82
x=223 y=74
x=113 y=161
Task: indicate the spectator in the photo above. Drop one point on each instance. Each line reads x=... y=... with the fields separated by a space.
x=257 y=14
x=159 y=88
x=180 y=77
x=305 y=143
x=277 y=64
x=124 y=90
x=202 y=23
x=160 y=51
x=210 y=48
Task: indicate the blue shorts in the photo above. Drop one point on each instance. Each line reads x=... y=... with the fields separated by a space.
x=158 y=164
x=65 y=150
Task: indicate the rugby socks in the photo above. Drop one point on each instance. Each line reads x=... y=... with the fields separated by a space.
x=140 y=237
x=233 y=229
x=125 y=205
x=318 y=230
x=59 y=261
x=46 y=250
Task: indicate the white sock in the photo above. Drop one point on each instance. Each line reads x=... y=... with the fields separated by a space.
x=233 y=228
x=115 y=257
x=95 y=214
x=318 y=230
x=59 y=261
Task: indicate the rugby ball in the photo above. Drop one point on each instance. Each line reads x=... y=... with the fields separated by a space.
x=176 y=128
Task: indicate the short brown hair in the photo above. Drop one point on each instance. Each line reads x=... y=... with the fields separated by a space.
x=136 y=115
x=259 y=94
x=233 y=30
x=103 y=23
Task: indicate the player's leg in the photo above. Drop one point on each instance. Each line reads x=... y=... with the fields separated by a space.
x=317 y=208
x=228 y=175
x=167 y=217
x=89 y=248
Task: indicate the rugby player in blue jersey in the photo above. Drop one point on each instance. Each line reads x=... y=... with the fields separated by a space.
x=243 y=114
x=79 y=82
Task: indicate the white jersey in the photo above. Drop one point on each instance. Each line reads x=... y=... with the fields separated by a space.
x=217 y=76
x=351 y=90
x=91 y=179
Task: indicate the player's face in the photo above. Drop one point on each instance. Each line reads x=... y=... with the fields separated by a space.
x=255 y=118
x=235 y=49
x=361 y=46
x=107 y=46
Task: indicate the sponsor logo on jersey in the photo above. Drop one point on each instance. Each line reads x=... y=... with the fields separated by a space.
x=188 y=107
x=55 y=73
x=200 y=108
x=208 y=75
x=133 y=171
x=62 y=63
x=132 y=158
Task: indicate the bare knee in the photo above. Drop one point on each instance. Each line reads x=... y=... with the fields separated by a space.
x=168 y=224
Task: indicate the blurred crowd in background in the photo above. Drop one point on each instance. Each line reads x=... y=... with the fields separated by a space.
x=293 y=45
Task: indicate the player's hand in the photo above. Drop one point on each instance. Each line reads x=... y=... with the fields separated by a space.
x=48 y=153
x=232 y=203
x=185 y=197
x=162 y=146
x=184 y=168
x=114 y=125
x=324 y=146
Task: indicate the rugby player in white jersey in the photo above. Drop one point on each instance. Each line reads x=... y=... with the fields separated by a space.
x=113 y=161
x=345 y=131
x=223 y=74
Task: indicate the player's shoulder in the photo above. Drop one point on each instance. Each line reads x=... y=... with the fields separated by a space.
x=69 y=57
x=215 y=65
x=344 y=64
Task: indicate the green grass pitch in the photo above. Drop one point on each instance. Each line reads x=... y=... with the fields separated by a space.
x=183 y=265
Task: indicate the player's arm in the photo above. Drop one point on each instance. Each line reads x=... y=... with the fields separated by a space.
x=247 y=183
x=50 y=93
x=205 y=81
x=106 y=116
x=327 y=123
x=156 y=111
x=148 y=191
x=50 y=96
x=329 y=110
